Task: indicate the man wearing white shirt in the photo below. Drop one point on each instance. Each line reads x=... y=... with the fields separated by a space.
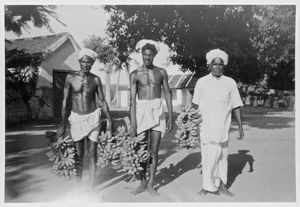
x=216 y=96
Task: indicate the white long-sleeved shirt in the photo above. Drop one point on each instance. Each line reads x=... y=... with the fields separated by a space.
x=216 y=98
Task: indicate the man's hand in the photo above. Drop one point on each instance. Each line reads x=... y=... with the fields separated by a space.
x=241 y=134
x=109 y=128
x=132 y=130
x=169 y=125
x=61 y=131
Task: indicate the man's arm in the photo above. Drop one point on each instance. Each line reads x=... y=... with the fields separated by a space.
x=133 y=90
x=238 y=115
x=168 y=100
x=103 y=103
x=195 y=99
x=236 y=105
x=66 y=92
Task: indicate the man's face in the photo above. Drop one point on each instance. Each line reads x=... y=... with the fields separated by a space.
x=86 y=63
x=148 y=57
x=217 y=67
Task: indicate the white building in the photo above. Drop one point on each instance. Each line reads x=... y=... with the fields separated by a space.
x=60 y=54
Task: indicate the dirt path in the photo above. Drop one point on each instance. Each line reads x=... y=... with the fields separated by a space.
x=269 y=147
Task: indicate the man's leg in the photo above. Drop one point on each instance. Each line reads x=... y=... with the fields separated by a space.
x=209 y=156
x=92 y=146
x=143 y=173
x=154 y=146
x=79 y=145
x=223 y=168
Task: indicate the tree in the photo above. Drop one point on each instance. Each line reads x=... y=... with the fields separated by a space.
x=124 y=66
x=24 y=75
x=273 y=37
x=17 y=17
x=24 y=64
x=189 y=30
x=106 y=55
x=273 y=33
x=282 y=76
x=192 y=30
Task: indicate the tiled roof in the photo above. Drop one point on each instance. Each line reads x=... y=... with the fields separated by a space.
x=192 y=82
x=182 y=81
x=45 y=44
x=173 y=80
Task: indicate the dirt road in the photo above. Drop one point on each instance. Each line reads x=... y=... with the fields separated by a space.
x=261 y=168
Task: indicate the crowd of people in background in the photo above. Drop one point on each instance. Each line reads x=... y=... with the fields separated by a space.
x=258 y=95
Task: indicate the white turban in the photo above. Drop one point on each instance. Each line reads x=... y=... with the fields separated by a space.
x=87 y=52
x=143 y=42
x=216 y=53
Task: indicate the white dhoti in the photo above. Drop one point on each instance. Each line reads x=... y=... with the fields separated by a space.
x=214 y=165
x=85 y=125
x=150 y=115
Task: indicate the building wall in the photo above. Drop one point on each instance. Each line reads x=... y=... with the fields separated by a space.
x=65 y=59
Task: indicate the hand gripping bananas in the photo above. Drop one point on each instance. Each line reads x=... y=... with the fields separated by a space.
x=62 y=154
x=188 y=132
x=119 y=151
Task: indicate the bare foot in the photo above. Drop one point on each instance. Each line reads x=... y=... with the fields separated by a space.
x=202 y=192
x=205 y=192
x=139 y=189
x=152 y=191
x=225 y=191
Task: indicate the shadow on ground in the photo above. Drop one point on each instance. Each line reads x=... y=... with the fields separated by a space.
x=268 y=118
x=236 y=164
x=265 y=120
x=24 y=152
x=169 y=174
x=268 y=122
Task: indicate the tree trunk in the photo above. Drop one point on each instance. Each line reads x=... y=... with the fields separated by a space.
x=117 y=88
x=29 y=112
x=107 y=83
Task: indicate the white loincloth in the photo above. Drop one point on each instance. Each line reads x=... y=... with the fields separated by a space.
x=150 y=115
x=214 y=165
x=85 y=125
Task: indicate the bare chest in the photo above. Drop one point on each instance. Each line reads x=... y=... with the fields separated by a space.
x=83 y=84
x=149 y=78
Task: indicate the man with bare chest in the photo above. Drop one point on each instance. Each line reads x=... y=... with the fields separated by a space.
x=146 y=109
x=86 y=90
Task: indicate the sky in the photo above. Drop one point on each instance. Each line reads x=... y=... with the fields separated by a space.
x=81 y=22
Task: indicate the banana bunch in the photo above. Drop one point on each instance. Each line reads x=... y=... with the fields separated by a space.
x=62 y=154
x=133 y=152
x=188 y=132
x=122 y=152
x=107 y=149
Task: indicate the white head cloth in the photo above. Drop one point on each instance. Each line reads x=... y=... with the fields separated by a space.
x=87 y=52
x=216 y=53
x=143 y=42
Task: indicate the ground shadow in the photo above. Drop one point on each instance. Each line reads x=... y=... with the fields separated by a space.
x=166 y=149
x=169 y=174
x=21 y=157
x=236 y=164
x=269 y=120
x=26 y=149
x=105 y=174
x=19 y=182
x=25 y=154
